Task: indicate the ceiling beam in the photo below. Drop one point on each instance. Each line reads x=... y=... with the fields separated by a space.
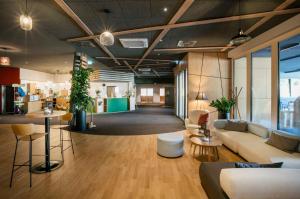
x=156 y=73
x=281 y=7
x=130 y=67
x=147 y=65
x=84 y=27
x=195 y=23
x=189 y=49
x=184 y=7
x=136 y=59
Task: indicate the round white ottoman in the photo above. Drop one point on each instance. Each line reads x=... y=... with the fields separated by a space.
x=170 y=144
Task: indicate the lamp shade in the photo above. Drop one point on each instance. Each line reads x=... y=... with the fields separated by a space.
x=4 y=61
x=201 y=96
x=240 y=38
x=107 y=39
x=26 y=22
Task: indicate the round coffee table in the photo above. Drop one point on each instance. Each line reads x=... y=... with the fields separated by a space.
x=207 y=148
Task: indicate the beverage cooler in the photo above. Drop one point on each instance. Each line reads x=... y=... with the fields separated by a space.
x=6 y=99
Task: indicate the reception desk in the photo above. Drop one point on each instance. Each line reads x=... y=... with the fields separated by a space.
x=116 y=104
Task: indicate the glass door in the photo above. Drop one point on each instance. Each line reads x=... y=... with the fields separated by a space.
x=289 y=86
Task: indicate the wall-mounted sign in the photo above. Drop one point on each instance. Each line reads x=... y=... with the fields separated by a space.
x=4 y=61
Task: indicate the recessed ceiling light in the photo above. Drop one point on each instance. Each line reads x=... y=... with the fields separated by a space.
x=165 y=9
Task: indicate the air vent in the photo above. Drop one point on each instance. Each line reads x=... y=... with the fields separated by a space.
x=134 y=42
x=186 y=44
x=144 y=69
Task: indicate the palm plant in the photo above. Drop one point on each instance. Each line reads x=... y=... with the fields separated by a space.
x=223 y=105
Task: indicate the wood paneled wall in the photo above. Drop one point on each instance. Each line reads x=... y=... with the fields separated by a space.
x=210 y=79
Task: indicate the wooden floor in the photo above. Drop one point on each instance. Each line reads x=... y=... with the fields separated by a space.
x=124 y=167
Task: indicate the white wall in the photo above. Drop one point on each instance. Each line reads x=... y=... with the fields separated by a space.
x=45 y=81
x=156 y=92
x=123 y=88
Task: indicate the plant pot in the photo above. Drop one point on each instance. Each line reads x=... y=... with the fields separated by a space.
x=80 y=120
x=223 y=115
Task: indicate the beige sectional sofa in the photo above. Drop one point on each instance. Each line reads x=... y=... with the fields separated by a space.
x=252 y=147
x=258 y=183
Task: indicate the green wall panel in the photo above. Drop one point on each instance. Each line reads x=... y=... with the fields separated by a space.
x=117 y=104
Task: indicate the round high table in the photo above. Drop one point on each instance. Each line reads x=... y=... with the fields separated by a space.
x=49 y=165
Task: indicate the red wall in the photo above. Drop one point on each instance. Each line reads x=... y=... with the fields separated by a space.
x=9 y=76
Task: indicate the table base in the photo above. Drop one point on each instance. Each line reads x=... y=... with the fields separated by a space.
x=41 y=167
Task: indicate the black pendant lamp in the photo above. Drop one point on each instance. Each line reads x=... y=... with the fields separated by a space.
x=241 y=37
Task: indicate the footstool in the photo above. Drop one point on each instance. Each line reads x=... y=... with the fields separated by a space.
x=170 y=144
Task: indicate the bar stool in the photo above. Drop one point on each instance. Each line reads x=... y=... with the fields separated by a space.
x=65 y=118
x=24 y=132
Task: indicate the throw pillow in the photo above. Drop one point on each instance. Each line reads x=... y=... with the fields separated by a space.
x=203 y=119
x=256 y=165
x=241 y=126
x=283 y=143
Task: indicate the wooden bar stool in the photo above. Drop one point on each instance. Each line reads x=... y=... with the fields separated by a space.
x=65 y=118
x=24 y=132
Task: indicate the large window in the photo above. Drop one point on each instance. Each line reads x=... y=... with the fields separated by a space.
x=289 y=89
x=261 y=87
x=240 y=82
x=147 y=95
x=181 y=94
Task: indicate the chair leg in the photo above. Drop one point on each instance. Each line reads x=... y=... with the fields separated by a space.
x=13 y=166
x=30 y=161
x=71 y=141
x=62 y=144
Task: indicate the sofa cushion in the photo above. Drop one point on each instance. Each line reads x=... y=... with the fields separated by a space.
x=258 y=130
x=260 y=152
x=256 y=165
x=210 y=178
x=260 y=183
x=288 y=162
x=283 y=142
x=232 y=139
x=220 y=124
x=240 y=126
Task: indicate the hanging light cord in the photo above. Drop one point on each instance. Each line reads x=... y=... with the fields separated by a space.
x=26 y=8
x=201 y=73
x=220 y=74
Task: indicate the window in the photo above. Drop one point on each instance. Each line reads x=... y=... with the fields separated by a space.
x=149 y=92
x=181 y=94
x=289 y=86
x=143 y=92
x=240 y=81
x=261 y=87
x=162 y=92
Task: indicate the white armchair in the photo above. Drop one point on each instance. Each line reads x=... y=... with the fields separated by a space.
x=191 y=123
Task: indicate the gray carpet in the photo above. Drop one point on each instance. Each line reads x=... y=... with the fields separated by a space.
x=145 y=120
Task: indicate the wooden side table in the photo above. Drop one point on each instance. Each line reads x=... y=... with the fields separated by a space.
x=206 y=148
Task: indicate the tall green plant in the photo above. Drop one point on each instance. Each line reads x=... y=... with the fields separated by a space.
x=223 y=105
x=79 y=97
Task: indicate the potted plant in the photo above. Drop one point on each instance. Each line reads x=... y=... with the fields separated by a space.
x=223 y=105
x=79 y=97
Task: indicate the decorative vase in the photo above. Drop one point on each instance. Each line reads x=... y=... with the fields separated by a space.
x=224 y=115
x=80 y=120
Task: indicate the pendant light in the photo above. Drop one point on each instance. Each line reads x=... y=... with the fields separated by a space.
x=107 y=38
x=241 y=37
x=26 y=21
x=201 y=96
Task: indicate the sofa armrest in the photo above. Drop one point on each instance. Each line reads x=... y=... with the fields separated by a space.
x=220 y=124
x=260 y=183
